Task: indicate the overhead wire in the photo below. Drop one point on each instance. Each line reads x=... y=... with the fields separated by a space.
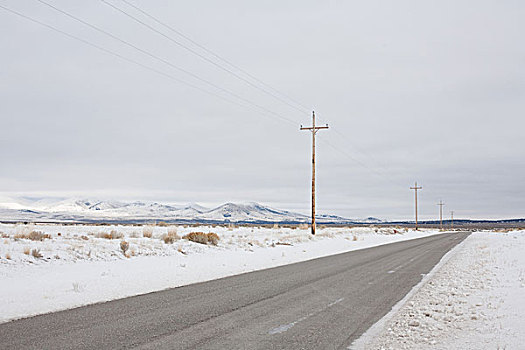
x=122 y=11
x=137 y=63
x=259 y=107
x=344 y=139
x=145 y=52
x=214 y=63
x=178 y=32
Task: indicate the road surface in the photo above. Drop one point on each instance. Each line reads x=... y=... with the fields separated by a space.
x=324 y=303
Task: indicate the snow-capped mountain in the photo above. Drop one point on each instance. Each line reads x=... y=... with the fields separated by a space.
x=250 y=212
x=88 y=210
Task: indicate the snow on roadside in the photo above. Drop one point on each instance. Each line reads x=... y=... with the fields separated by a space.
x=76 y=266
x=474 y=301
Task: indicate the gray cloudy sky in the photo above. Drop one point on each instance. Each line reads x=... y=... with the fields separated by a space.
x=432 y=91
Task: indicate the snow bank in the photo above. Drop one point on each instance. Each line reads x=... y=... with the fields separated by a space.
x=76 y=266
x=474 y=301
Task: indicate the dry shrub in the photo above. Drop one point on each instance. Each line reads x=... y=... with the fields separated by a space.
x=85 y=238
x=162 y=224
x=354 y=238
x=113 y=234
x=213 y=238
x=303 y=227
x=116 y=235
x=147 y=231
x=181 y=251
x=33 y=236
x=27 y=251
x=36 y=253
x=4 y=235
x=8 y=256
x=197 y=237
x=203 y=238
x=171 y=236
x=275 y=226
x=124 y=246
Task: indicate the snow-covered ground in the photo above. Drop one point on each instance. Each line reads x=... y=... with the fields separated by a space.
x=474 y=299
x=76 y=266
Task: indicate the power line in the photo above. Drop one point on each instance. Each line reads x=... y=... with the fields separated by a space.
x=357 y=161
x=164 y=61
x=197 y=77
x=259 y=107
x=302 y=109
x=344 y=138
x=306 y=109
x=216 y=55
x=129 y=60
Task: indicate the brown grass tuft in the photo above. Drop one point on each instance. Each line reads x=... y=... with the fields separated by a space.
x=27 y=251
x=124 y=246
x=36 y=253
x=8 y=256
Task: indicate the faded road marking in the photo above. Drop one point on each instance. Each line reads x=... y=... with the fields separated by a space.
x=285 y=327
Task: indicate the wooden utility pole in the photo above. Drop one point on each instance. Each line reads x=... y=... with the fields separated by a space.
x=452 y=220
x=441 y=204
x=314 y=130
x=415 y=188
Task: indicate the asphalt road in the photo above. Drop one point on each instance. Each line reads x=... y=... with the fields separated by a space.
x=324 y=303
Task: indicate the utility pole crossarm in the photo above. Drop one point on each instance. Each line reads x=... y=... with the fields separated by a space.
x=314 y=129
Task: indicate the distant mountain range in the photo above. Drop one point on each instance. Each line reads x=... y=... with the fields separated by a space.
x=87 y=210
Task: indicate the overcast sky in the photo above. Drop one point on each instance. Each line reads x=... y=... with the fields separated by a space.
x=427 y=91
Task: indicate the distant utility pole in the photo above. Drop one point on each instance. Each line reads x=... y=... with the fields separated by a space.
x=314 y=130
x=415 y=188
x=441 y=204
x=452 y=220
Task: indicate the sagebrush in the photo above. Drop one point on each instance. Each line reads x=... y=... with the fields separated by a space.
x=113 y=234
x=171 y=236
x=33 y=236
x=203 y=238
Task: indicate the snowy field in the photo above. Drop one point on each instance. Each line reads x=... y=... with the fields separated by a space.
x=473 y=299
x=78 y=265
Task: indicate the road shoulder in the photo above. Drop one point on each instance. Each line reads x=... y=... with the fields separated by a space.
x=470 y=300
